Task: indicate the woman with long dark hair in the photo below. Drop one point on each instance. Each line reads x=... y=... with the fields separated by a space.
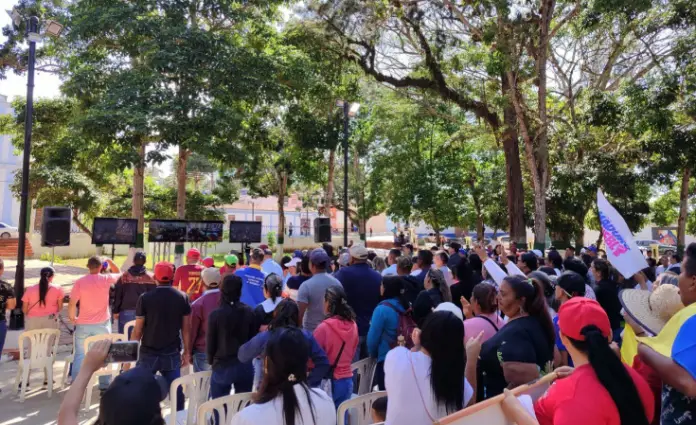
x=43 y=302
x=230 y=326
x=429 y=382
x=272 y=291
x=286 y=315
x=284 y=397
x=524 y=346
x=601 y=390
x=338 y=336
x=465 y=282
x=436 y=291
x=607 y=293
x=385 y=321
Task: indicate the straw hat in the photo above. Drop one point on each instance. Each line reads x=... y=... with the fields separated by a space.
x=651 y=310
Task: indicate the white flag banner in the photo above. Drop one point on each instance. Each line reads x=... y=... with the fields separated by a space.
x=622 y=251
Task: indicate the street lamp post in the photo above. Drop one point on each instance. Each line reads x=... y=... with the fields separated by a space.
x=52 y=28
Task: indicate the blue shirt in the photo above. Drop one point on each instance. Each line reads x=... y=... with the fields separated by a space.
x=559 y=343
x=389 y=270
x=269 y=266
x=252 y=285
x=677 y=409
x=362 y=285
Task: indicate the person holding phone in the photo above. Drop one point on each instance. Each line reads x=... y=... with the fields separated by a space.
x=162 y=321
x=137 y=390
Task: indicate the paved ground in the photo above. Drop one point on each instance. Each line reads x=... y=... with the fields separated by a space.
x=38 y=409
x=65 y=275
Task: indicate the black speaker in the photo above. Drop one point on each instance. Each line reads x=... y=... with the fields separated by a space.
x=55 y=230
x=322 y=229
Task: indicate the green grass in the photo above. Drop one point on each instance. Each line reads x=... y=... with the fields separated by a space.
x=119 y=259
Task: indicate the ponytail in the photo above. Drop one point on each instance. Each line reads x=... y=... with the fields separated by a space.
x=437 y=278
x=534 y=303
x=46 y=273
x=274 y=286
x=613 y=376
x=486 y=296
x=338 y=303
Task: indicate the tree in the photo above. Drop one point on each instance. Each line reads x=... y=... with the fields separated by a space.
x=182 y=77
x=63 y=171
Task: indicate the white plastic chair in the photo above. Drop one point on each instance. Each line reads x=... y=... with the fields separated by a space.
x=68 y=362
x=197 y=387
x=111 y=369
x=359 y=408
x=128 y=328
x=42 y=355
x=226 y=407
x=366 y=372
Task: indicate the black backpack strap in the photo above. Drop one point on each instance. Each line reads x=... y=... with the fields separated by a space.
x=489 y=321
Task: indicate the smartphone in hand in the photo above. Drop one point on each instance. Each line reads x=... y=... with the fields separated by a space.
x=123 y=352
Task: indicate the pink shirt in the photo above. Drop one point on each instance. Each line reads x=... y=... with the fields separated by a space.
x=37 y=309
x=474 y=326
x=93 y=293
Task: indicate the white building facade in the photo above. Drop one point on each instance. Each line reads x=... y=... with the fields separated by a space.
x=9 y=164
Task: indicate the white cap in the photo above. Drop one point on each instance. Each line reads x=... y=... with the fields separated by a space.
x=447 y=306
x=358 y=252
x=538 y=253
x=294 y=262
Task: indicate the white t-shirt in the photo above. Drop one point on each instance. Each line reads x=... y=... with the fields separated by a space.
x=448 y=274
x=405 y=405
x=271 y=413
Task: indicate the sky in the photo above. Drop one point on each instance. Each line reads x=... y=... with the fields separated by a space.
x=46 y=85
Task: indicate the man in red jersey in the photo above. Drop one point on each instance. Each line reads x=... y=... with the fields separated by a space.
x=188 y=278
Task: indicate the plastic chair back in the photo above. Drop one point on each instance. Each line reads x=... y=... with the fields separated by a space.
x=359 y=409
x=197 y=387
x=226 y=407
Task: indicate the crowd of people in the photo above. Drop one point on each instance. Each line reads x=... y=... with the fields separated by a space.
x=447 y=327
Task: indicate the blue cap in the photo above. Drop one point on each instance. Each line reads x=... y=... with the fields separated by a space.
x=591 y=248
x=297 y=253
x=462 y=251
x=684 y=347
x=319 y=257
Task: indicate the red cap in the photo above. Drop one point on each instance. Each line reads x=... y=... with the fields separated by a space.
x=193 y=253
x=164 y=271
x=208 y=262
x=263 y=246
x=579 y=312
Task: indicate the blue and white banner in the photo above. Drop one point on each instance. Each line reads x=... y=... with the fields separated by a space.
x=622 y=251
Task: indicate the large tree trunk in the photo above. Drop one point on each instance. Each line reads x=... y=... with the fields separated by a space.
x=282 y=188
x=328 y=194
x=580 y=237
x=513 y=173
x=138 y=209
x=181 y=198
x=683 y=210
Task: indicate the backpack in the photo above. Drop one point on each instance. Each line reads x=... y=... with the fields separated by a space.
x=404 y=329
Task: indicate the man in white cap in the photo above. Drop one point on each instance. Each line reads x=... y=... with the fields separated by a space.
x=200 y=310
x=362 y=285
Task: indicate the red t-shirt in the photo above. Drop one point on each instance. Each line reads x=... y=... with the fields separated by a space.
x=580 y=399
x=188 y=280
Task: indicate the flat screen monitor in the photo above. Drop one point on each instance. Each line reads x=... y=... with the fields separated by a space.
x=245 y=231
x=167 y=231
x=114 y=231
x=204 y=231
